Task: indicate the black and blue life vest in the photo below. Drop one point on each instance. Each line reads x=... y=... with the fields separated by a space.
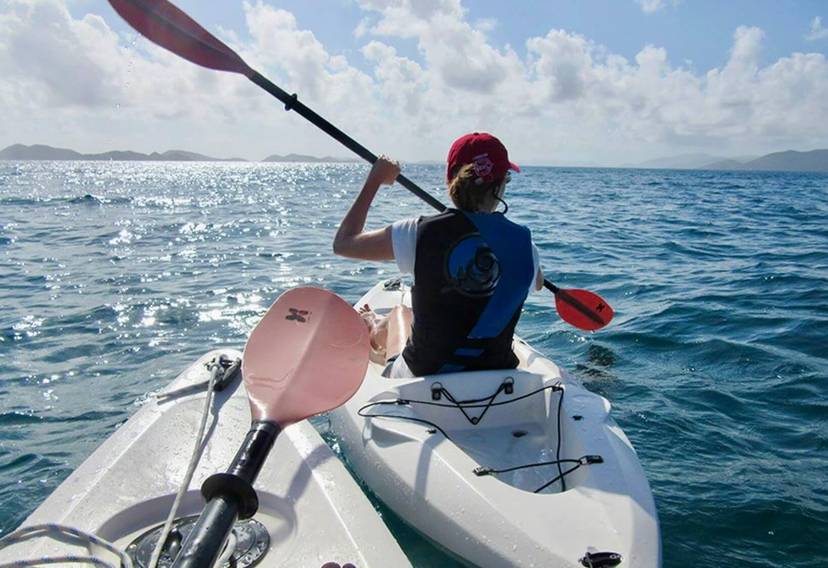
x=472 y=273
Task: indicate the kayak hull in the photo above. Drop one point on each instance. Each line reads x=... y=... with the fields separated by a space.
x=312 y=509
x=422 y=457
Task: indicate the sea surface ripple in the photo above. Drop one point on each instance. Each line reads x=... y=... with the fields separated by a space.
x=114 y=276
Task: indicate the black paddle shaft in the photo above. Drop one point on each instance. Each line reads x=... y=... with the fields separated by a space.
x=230 y=496
x=292 y=103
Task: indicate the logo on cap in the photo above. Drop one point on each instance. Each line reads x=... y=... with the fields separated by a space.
x=483 y=166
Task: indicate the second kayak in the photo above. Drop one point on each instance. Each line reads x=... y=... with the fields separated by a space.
x=516 y=467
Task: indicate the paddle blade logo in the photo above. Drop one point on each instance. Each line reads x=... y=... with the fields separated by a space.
x=295 y=314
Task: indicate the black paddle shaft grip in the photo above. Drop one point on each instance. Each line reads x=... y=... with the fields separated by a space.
x=204 y=544
x=549 y=286
x=229 y=496
x=292 y=103
x=252 y=454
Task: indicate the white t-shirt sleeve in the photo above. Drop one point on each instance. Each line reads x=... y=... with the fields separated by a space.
x=404 y=243
x=535 y=268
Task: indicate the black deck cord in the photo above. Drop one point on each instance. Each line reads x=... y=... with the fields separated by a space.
x=461 y=404
x=465 y=404
x=473 y=403
x=583 y=460
x=502 y=386
x=560 y=476
x=558 y=452
x=409 y=418
x=558 y=461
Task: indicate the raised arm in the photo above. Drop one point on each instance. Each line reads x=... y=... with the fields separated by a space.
x=351 y=240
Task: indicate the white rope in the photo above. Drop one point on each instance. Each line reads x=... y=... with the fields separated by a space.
x=59 y=560
x=52 y=530
x=196 y=457
x=229 y=549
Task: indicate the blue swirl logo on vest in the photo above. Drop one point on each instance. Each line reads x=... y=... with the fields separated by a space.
x=472 y=268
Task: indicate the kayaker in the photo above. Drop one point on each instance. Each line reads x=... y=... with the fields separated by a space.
x=472 y=267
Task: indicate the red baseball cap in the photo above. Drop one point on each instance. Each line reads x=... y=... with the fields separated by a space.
x=484 y=151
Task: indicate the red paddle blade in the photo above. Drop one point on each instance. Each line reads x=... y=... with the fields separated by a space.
x=164 y=24
x=584 y=309
x=307 y=355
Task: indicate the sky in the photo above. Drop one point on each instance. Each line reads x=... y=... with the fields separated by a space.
x=605 y=82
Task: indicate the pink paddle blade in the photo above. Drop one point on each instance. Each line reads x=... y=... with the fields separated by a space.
x=307 y=355
x=584 y=309
x=164 y=24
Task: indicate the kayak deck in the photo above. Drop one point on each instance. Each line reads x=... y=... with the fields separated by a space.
x=313 y=511
x=511 y=429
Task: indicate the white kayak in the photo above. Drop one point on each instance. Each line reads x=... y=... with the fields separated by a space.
x=519 y=467
x=311 y=512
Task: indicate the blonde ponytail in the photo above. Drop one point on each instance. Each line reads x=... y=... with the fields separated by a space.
x=470 y=192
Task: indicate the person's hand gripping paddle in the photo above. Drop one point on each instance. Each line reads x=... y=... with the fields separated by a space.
x=307 y=355
x=166 y=25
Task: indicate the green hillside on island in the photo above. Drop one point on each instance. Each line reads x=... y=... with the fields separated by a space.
x=789 y=161
x=44 y=152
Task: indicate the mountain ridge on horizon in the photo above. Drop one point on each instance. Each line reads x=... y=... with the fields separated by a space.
x=46 y=153
x=788 y=160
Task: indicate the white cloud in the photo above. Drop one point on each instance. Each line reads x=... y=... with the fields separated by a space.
x=570 y=96
x=76 y=74
x=401 y=80
x=49 y=58
x=562 y=64
x=650 y=6
x=817 y=31
x=75 y=82
x=457 y=50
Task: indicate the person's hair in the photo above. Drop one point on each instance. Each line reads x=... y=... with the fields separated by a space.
x=470 y=193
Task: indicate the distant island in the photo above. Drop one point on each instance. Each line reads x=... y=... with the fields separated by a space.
x=305 y=158
x=790 y=160
x=43 y=152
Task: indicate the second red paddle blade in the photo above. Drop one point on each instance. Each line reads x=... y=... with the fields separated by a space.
x=584 y=309
x=166 y=25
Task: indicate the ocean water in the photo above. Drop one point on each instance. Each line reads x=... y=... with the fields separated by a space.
x=115 y=276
